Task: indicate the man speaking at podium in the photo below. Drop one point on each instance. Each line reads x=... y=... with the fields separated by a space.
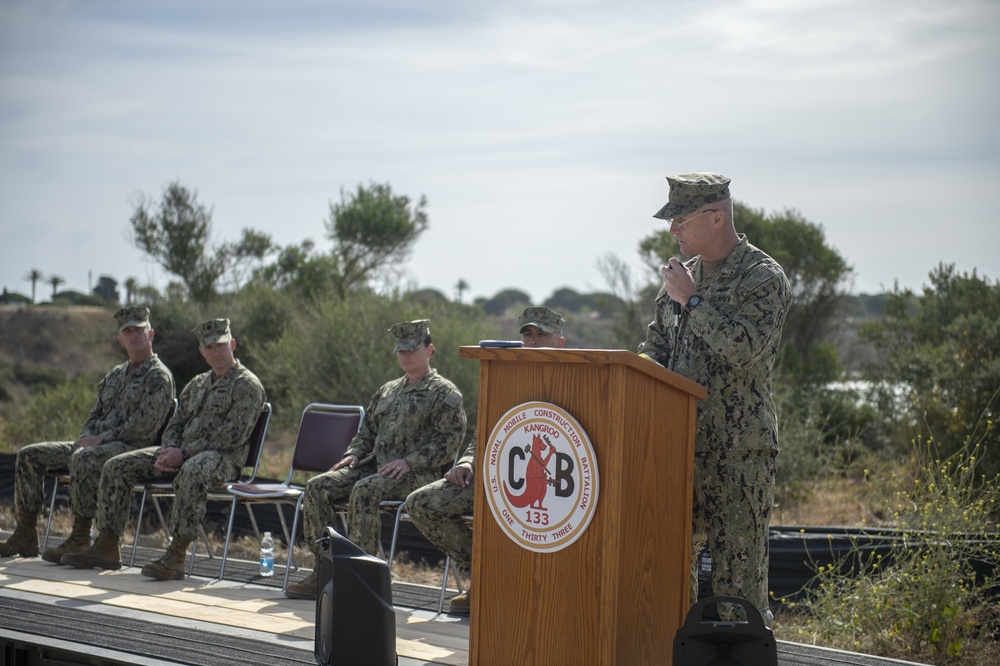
x=718 y=320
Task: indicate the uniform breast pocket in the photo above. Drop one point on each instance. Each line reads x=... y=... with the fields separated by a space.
x=384 y=406
x=725 y=303
x=217 y=404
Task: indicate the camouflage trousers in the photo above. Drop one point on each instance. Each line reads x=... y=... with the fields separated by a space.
x=437 y=510
x=365 y=488
x=208 y=470
x=733 y=499
x=84 y=465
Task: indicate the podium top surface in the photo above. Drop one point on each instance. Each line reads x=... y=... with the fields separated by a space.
x=586 y=357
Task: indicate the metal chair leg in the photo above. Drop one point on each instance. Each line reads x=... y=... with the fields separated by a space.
x=444 y=583
x=229 y=535
x=52 y=509
x=138 y=528
x=291 y=542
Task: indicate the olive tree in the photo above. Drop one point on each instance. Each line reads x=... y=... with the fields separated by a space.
x=373 y=232
x=176 y=232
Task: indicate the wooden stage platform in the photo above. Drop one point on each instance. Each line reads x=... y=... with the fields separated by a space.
x=122 y=617
x=210 y=621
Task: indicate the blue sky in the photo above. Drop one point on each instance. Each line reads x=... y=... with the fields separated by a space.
x=540 y=131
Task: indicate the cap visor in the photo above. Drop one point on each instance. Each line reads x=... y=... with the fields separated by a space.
x=134 y=322
x=541 y=327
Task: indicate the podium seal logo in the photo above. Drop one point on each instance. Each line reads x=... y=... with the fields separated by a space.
x=540 y=476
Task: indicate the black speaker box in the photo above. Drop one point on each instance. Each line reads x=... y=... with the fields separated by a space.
x=717 y=643
x=355 y=621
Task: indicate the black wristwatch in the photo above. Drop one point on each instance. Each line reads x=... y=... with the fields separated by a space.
x=694 y=302
x=185 y=455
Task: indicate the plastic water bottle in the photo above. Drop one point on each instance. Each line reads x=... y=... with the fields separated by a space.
x=267 y=555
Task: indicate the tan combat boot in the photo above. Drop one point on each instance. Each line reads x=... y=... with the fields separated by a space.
x=461 y=603
x=104 y=554
x=304 y=589
x=171 y=565
x=24 y=540
x=79 y=540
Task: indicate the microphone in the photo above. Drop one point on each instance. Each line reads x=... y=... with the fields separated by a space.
x=676 y=306
x=676 y=318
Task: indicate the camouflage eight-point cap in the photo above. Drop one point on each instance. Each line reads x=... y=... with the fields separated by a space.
x=212 y=331
x=691 y=191
x=410 y=334
x=542 y=317
x=133 y=315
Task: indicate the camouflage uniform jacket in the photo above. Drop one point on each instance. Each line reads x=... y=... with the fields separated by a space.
x=728 y=345
x=217 y=416
x=423 y=423
x=469 y=454
x=131 y=408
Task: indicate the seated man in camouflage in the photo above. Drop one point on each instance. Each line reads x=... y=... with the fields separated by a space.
x=412 y=427
x=438 y=509
x=204 y=446
x=133 y=401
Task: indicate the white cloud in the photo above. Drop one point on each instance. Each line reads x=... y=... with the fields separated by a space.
x=540 y=132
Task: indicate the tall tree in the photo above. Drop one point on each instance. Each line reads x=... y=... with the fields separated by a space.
x=301 y=270
x=629 y=322
x=131 y=285
x=503 y=301
x=460 y=288
x=939 y=368
x=55 y=281
x=373 y=231
x=33 y=276
x=176 y=231
x=106 y=289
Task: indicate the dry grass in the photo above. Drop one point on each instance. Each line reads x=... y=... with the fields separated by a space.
x=831 y=502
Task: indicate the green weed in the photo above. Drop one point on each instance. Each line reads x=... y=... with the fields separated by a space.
x=934 y=596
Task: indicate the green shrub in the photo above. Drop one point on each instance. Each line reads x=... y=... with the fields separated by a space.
x=57 y=414
x=174 y=343
x=340 y=351
x=37 y=377
x=939 y=361
x=822 y=432
x=926 y=599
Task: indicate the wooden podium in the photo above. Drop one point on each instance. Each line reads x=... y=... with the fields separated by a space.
x=619 y=593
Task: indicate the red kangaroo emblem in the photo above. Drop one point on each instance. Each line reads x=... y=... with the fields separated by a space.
x=536 y=477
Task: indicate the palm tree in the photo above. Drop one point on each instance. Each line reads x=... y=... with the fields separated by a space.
x=55 y=281
x=33 y=276
x=460 y=288
x=131 y=284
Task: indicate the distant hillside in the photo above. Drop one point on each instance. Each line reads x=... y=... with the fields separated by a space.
x=45 y=345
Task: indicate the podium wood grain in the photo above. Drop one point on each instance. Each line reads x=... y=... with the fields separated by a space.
x=620 y=592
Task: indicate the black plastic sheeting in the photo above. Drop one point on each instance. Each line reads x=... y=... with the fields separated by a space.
x=796 y=553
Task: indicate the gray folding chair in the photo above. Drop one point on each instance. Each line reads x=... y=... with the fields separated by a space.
x=325 y=432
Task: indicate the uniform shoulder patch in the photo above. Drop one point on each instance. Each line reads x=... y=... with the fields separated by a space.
x=761 y=274
x=454 y=398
